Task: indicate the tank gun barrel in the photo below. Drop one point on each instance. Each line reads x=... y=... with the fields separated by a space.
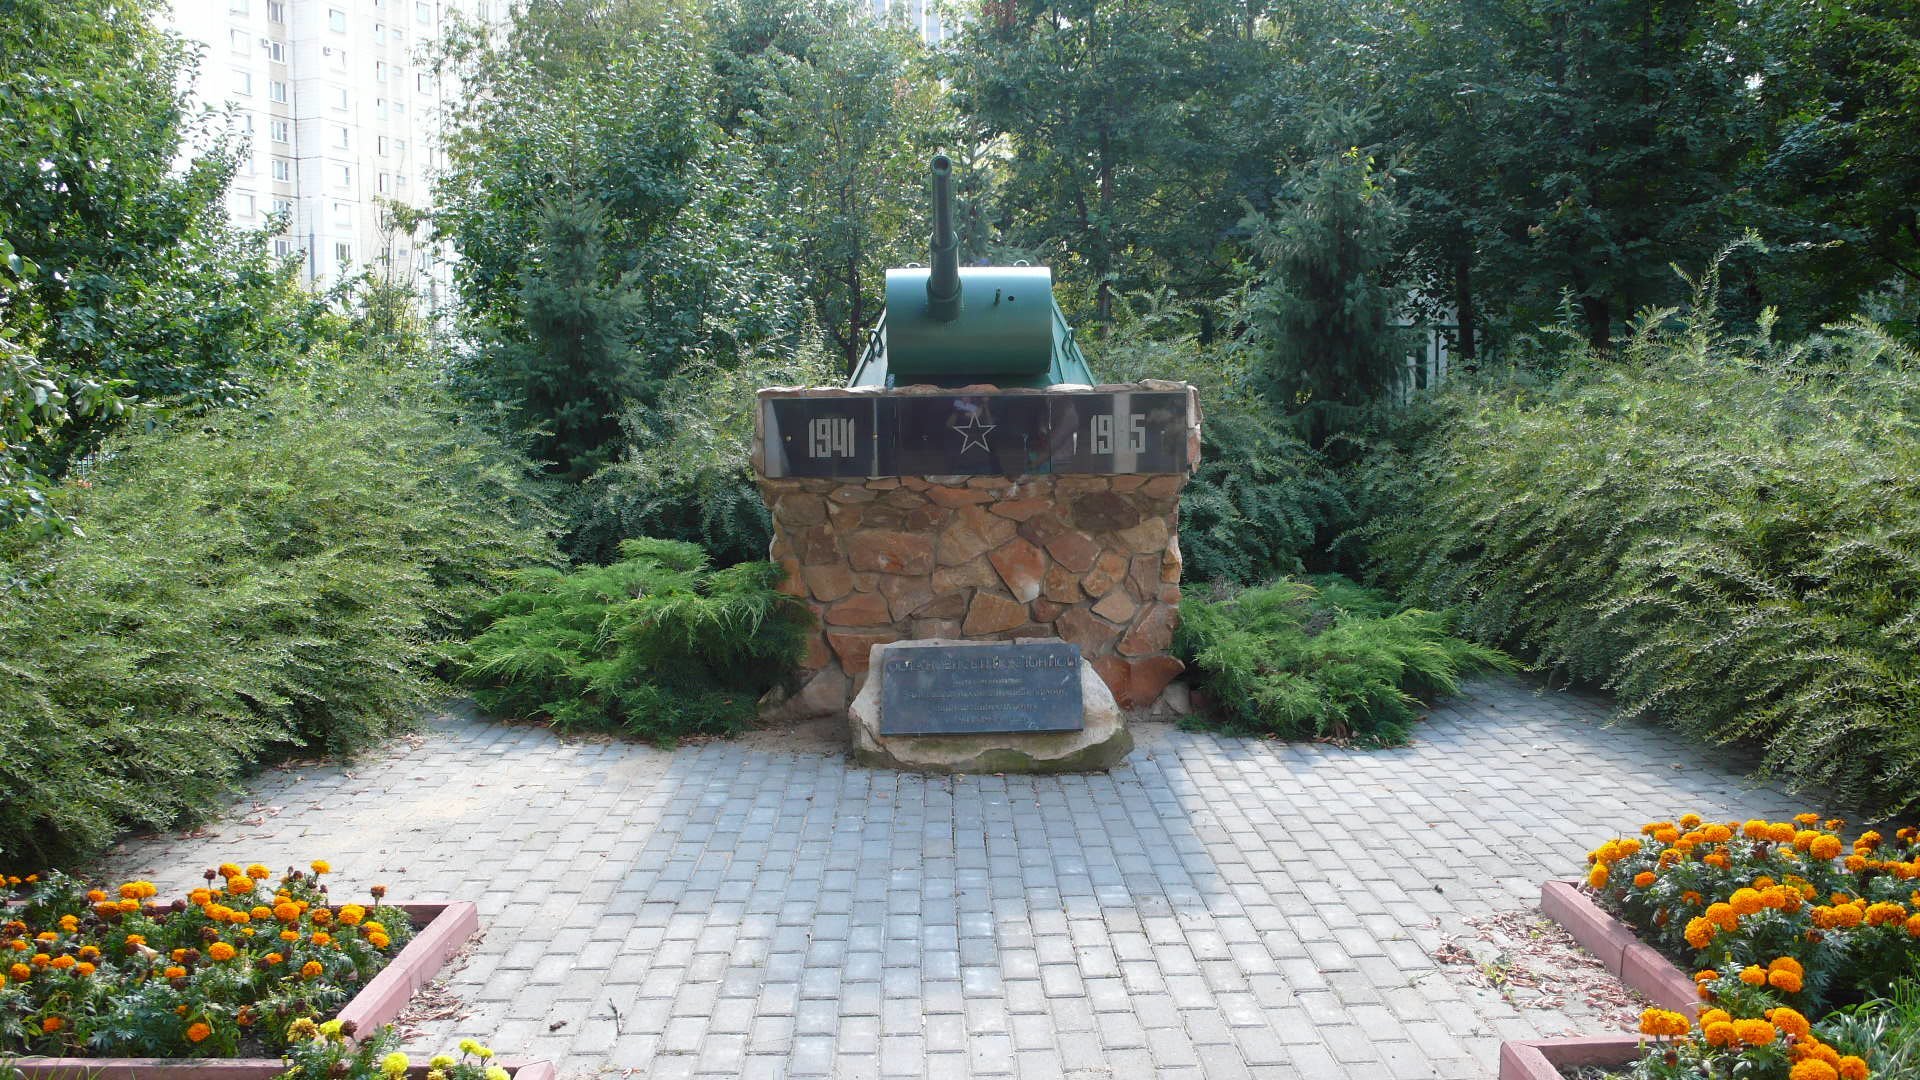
x=943 y=278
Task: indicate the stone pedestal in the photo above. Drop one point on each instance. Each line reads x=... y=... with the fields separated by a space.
x=1102 y=742
x=1090 y=558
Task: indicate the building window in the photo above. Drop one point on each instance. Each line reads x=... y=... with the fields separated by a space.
x=379 y=33
x=400 y=182
x=283 y=206
x=342 y=138
x=337 y=59
x=237 y=7
x=384 y=184
x=343 y=215
x=277 y=90
x=343 y=254
x=280 y=131
x=422 y=12
x=336 y=20
x=277 y=52
x=399 y=108
x=344 y=177
x=243 y=83
x=281 y=169
x=380 y=108
x=340 y=98
x=244 y=205
x=380 y=145
x=237 y=40
x=423 y=82
x=277 y=11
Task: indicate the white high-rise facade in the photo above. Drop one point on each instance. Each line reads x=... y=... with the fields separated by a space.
x=342 y=118
x=919 y=15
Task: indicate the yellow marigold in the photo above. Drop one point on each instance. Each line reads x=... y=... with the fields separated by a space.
x=1746 y=902
x=46 y=935
x=289 y=935
x=321 y=915
x=135 y=939
x=1721 y=1034
x=1753 y=975
x=1790 y=1021
x=1716 y=833
x=1883 y=913
x=197 y=1032
x=1803 y=840
x=1597 y=877
x=258 y=872
x=1645 y=878
x=394 y=1064
x=1824 y=847
x=311 y=969
x=69 y=923
x=20 y=972
x=322 y=939
x=351 y=914
x=1663 y=1024
x=240 y=886
x=321 y=866
x=1755 y=829
x=1813 y=1069
x=261 y=913
x=1700 y=932
x=1715 y=1016
x=228 y=869
x=1667 y=836
x=1852 y=1068
x=1755 y=1032
x=287 y=911
x=84 y=968
x=379 y=940
x=440 y=1061
x=220 y=950
x=1780 y=832
x=1855 y=863
x=94 y=896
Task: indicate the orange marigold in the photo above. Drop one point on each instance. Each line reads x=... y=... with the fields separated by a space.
x=1790 y=1021
x=1721 y=1034
x=1813 y=1069
x=197 y=1032
x=20 y=972
x=1597 y=877
x=220 y=950
x=174 y=971
x=378 y=939
x=1824 y=847
x=52 y=1024
x=1755 y=1032
x=1644 y=878
x=1852 y=1068
x=311 y=969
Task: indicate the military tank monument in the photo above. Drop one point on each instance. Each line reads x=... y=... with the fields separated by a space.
x=987 y=536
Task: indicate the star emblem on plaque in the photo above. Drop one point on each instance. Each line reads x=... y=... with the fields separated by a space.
x=973 y=433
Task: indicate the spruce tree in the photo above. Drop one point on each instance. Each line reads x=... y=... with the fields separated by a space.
x=1320 y=313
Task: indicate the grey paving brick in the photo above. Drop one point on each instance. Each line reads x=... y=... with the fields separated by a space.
x=1215 y=907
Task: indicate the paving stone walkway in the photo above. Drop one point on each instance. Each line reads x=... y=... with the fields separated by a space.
x=1216 y=908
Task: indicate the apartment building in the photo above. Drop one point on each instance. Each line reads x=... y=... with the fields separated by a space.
x=919 y=15
x=342 y=120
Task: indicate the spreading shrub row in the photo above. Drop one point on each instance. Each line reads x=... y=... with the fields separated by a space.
x=1724 y=529
x=269 y=577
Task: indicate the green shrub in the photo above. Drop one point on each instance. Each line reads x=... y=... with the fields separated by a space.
x=264 y=578
x=1335 y=661
x=1886 y=1032
x=683 y=472
x=1724 y=529
x=656 y=644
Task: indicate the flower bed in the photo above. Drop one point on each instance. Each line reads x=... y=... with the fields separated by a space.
x=95 y=978
x=1779 y=921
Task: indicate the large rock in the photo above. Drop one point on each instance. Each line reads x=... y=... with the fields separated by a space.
x=1102 y=743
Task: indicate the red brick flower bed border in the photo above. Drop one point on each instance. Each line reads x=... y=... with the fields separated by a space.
x=444 y=927
x=1637 y=964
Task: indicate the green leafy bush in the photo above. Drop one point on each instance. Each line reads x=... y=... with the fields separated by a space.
x=263 y=578
x=656 y=644
x=1725 y=529
x=1335 y=661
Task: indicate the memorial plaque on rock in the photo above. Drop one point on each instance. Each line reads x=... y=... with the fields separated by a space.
x=981 y=689
x=1119 y=433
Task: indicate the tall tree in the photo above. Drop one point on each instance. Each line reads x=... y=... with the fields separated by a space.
x=843 y=115
x=1322 y=308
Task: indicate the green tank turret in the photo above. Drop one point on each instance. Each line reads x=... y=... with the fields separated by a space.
x=949 y=325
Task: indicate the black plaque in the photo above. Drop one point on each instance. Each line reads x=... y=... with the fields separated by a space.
x=971 y=434
x=981 y=689
x=825 y=436
x=1004 y=434
x=1119 y=433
